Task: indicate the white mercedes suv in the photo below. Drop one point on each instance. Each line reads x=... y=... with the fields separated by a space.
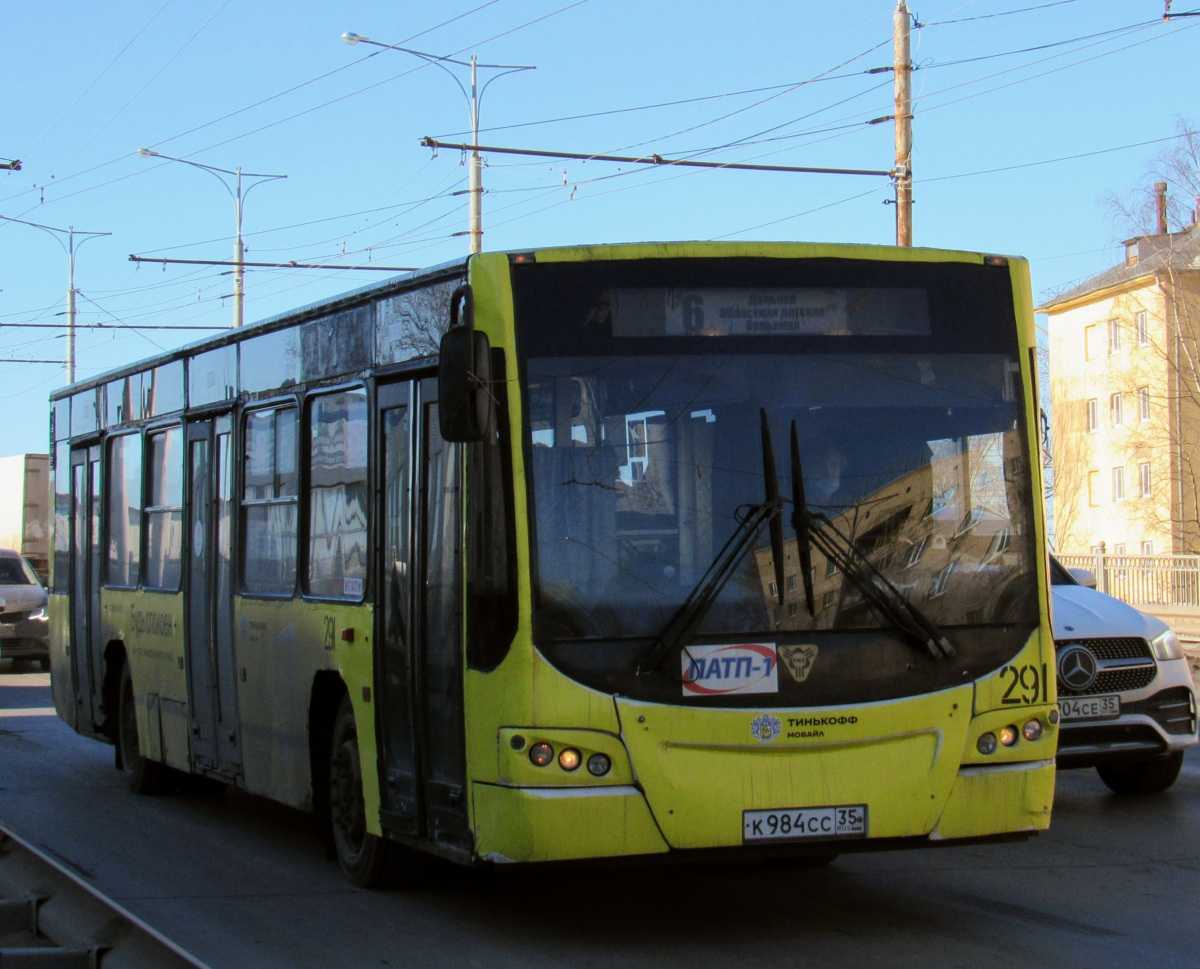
x=1125 y=689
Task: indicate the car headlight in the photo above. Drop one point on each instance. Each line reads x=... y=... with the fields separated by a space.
x=1166 y=646
x=40 y=615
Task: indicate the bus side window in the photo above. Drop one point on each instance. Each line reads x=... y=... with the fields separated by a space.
x=337 y=496
x=124 y=530
x=164 y=509
x=269 y=502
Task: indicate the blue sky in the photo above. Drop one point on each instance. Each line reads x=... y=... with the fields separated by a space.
x=270 y=87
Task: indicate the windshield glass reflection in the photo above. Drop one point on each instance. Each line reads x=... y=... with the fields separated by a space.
x=642 y=465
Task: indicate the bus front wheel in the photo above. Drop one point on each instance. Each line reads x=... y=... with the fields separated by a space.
x=144 y=776
x=361 y=855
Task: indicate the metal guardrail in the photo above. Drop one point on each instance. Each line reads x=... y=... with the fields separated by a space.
x=50 y=918
x=1148 y=580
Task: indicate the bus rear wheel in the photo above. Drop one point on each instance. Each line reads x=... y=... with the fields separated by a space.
x=144 y=776
x=1144 y=777
x=362 y=856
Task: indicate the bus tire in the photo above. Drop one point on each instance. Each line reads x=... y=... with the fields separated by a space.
x=145 y=776
x=362 y=856
x=1143 y=777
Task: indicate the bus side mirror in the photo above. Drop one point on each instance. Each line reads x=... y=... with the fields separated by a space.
x=464 y=376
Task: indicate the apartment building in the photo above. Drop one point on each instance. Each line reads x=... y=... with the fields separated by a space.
x=1125 y=400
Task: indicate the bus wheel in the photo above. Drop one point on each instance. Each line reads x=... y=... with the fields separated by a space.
x=145 y=776
x=360 y=854
x=1144 y=777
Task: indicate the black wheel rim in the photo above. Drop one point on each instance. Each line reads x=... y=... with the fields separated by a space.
x=347 y=811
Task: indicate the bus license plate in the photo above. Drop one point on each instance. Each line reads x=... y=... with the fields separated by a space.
x=1090 y=707
x=794 y=824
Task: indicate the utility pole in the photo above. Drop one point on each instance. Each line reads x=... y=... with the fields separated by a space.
x=902 y=77
x=235 y=193
x=475 y=171
x=70 y=248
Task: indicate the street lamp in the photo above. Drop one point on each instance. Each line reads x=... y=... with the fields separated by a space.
x=475 y=180
x=237 y=195
x=70 y=248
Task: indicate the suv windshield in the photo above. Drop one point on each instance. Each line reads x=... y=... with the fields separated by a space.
x=644 y=391
x=14 y=571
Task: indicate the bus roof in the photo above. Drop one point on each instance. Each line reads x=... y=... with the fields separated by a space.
x=577 y=253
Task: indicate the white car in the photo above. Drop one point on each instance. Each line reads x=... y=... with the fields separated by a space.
x=24 y=629
x=1125 y=689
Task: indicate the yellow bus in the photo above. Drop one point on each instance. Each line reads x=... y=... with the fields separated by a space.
x=577 y=553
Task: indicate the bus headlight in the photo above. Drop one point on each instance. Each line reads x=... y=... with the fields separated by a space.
x=599 y=765
x=541 y=754
x=1008 y=735
x=1166 y=646
x=569 y=759
x=986 y=743
x=1032 y=730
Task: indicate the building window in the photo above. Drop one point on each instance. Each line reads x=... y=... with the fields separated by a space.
x=1114 y=336
x=1143 y=330
x=1119 y=548
x=827 y=599
x=772 y=590
x=1147 y=548
x=830 y=568
x=269 y=501
x=1118 y=484
x=1090 y=335
x=1131 y=253
x=164 y=509
x=793 y=608
x=1114 y=410
x=1143 y=403
x=124 y=510
x=1093 y=488
x=1144 y=479
x=1091 y=414
x=791 y=582
x=337 y=496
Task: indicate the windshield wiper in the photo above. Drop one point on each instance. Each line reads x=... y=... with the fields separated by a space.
x=695 y=607
x=815 y=528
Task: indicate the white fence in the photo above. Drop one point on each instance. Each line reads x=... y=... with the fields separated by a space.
x=1152 y=580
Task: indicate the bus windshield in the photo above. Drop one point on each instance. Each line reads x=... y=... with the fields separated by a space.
x=644 y=446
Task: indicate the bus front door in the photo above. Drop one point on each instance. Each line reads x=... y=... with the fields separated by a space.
x=212 y=682
x=419 y=663
x=395 y=674
x=86 y=655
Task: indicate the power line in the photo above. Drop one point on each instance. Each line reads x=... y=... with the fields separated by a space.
x=241 y=110
x=1061 y=158
x=271 y=265
x=111 y=326
x=990 y=16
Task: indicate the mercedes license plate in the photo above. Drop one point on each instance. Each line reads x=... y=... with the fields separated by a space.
x=796 y=824
x=1090 y=707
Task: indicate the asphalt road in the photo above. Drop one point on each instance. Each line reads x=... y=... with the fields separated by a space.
x=243 y=883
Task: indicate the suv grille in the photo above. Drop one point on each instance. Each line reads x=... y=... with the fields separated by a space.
x=1130 y=648
x=1114 y=680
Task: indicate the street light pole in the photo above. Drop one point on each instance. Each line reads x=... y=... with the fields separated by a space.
x=238 y=196
x=70 y=248
x=473 y=99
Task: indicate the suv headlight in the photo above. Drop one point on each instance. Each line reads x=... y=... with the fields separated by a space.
x=1166 y=646
x=40 y=615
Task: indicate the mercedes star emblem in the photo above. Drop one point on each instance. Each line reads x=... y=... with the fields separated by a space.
x=1077 y=668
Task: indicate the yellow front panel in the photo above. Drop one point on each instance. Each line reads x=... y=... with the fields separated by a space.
x=700 y=768
x=540 y=824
